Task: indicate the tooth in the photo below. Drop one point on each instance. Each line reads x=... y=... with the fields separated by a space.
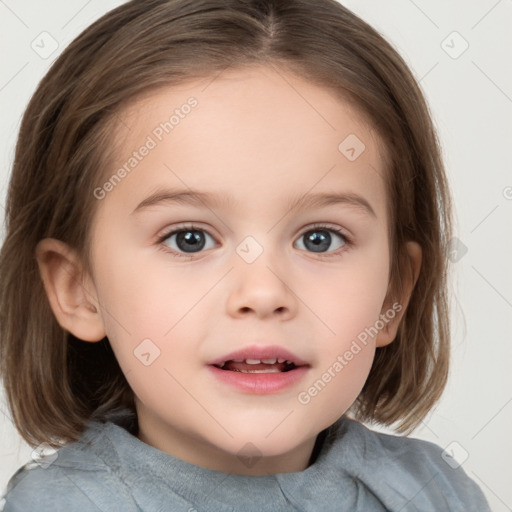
x=281 y=360
x=270 y=370
x=289 y=362
x=269 y=361
x=252 y=361
x=222 y=364
x=238 y=360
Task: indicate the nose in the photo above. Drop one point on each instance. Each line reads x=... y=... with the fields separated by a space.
x=260 y=290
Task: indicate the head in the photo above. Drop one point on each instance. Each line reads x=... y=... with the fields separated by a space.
x=273 y=101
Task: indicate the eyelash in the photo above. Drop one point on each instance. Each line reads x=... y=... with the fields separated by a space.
x=191 y=227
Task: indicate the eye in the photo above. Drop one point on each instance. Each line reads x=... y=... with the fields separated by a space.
x=319 y=238
x=187 y=239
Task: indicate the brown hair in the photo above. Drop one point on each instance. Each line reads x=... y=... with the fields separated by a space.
x=55 y=382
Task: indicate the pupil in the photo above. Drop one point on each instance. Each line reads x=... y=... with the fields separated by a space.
x=320 y=240
x=193 y=238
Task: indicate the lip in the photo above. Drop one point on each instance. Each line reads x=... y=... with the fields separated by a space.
x=260 y=383
x=261 y=352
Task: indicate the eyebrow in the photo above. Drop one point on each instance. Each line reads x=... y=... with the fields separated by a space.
x=205 y=199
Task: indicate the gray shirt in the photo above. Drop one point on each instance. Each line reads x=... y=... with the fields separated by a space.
x=355 y=469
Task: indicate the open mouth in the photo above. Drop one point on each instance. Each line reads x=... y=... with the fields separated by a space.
x=257 y=365
x=260 y=370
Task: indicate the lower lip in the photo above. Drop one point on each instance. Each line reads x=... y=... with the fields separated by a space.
x=260 y=383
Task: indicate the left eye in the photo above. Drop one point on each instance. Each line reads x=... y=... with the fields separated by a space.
x=319 y=239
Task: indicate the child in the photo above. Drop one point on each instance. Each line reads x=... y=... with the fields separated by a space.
x=288 y=144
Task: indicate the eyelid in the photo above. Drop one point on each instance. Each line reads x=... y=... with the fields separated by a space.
x=328 y=226
x=166 y=233
x=195 y=226
x=342 y=232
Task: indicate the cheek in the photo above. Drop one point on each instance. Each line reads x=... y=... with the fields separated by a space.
x=144 y=296
x=152 y=320
x=349 y=302
x=347 y=297
x=346 y=343
x=334 y=388
x=143 y=288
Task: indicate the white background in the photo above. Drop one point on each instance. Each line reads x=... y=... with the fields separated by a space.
x=471 y=101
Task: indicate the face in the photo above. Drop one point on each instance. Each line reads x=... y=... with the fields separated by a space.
x=283 y=256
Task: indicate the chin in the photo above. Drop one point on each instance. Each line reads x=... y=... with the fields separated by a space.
x=265 y=440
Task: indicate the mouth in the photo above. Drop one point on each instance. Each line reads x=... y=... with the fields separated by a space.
x=270 y=365
x=260 y=369
x=259 y=359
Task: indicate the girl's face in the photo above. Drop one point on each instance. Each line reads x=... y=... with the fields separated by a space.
x=282 y=254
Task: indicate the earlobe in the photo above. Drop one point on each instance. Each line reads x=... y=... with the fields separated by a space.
x=72 y=297
x=391 y=316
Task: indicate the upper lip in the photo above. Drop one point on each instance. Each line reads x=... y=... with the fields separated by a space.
x=260 y=352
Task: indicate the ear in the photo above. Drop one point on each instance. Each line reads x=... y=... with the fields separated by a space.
x=72 y=295
x=392 y=314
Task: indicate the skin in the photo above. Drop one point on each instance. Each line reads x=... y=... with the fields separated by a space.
x=264 y=137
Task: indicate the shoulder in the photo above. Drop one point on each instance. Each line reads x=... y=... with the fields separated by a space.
x=80 y=476
x=417 y=471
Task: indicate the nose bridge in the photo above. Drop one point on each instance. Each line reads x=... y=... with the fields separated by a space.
x=259 y=279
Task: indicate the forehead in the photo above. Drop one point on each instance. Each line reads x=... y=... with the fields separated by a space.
x=255 y=130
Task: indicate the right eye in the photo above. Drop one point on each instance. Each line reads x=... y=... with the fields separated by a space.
x=186 y=240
